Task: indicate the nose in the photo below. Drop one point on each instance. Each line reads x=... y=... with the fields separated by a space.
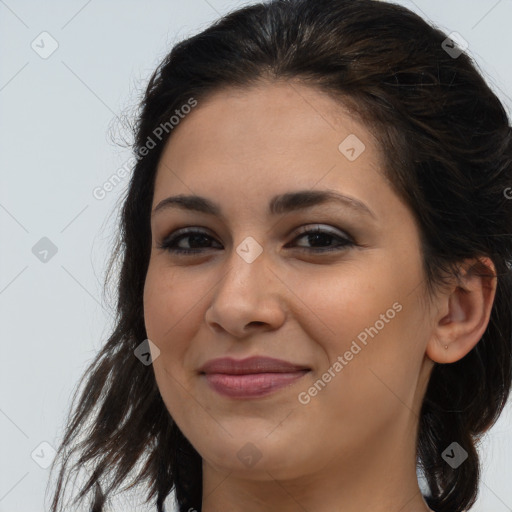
x=248 y=298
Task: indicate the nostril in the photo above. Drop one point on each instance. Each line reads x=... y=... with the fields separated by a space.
x=257 y=323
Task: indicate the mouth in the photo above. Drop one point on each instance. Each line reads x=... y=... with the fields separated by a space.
x=252 y=377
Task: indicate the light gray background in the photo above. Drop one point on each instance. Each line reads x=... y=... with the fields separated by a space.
x=56 y=121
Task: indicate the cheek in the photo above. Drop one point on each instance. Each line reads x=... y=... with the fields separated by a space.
x=162 y=314
x=339 y=302
x=174 y=302
x=166 y=304
x=156 y=302
x=370 y=316
x=168 y=298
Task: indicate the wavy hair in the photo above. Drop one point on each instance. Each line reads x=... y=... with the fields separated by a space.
x=447 y=142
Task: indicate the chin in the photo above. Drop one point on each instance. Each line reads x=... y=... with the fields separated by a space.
x=261 y=458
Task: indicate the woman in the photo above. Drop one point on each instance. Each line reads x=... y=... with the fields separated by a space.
x=314 y=293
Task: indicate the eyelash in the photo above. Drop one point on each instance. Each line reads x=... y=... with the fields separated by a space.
x=169 y=243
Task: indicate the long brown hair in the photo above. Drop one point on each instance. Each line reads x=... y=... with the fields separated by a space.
x=448 y=144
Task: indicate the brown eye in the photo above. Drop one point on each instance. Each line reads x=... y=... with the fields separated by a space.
x=194 y=237
x=322 y=237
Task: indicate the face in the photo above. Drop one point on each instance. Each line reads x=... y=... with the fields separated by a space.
x=344 y=305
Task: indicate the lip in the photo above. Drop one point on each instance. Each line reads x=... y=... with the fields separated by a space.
x=253 y=377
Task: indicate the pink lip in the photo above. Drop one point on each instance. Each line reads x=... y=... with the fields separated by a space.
x=252 y=377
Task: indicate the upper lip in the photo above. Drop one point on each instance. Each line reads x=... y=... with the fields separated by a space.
x=255 y=364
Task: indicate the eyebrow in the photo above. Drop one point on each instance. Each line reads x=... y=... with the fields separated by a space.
x=280 y=204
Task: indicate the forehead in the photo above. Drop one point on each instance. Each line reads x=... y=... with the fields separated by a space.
x=270 y=120
x=282 y=114
x=247 y=145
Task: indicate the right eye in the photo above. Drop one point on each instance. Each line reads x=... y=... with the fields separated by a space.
x=171 y=244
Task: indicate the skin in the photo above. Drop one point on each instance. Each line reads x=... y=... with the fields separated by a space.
x=352 y=446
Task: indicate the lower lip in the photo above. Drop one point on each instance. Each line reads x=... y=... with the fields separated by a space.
x=251 y=385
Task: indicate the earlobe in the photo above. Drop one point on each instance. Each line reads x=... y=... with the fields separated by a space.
x=463 y=312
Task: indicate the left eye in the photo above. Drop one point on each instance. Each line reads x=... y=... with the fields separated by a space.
x=317 y=235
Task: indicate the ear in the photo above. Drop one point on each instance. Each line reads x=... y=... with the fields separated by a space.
x=463 y=312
